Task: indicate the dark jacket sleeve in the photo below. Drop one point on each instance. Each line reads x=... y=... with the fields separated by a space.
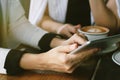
x=45 y=41
x=12 y=63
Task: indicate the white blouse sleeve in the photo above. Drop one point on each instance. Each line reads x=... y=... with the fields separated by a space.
x=20 y=29
x=3 y=54
x=118 y=7
x=37 y=9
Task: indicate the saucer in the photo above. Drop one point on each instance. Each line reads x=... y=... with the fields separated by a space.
x=116 y=57
x=112 y=47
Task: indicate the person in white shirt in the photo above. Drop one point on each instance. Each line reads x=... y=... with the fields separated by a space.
x=16 y=29
x=103 y=13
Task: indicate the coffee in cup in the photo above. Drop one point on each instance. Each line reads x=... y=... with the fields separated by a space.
x=94 y=32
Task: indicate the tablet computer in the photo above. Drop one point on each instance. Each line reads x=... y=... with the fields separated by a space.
x=105 y=44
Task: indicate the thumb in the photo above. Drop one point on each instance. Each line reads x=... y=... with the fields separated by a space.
x=78 y=26
x=67 y=48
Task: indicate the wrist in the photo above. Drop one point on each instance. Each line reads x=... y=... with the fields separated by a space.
x=28 y=61
x=58 y=28
x=57 y=41
x=34 y=61
x=62 y=27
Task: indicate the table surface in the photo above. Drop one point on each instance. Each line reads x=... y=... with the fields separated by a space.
x=47 y=76
x=79 y=74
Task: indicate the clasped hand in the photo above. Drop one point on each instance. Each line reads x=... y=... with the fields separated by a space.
x=58 y=59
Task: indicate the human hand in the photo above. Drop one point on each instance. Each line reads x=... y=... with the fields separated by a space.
x=57 y=59
x=76 y=38
x=68 y=30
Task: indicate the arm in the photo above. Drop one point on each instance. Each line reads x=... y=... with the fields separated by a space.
x=21 y=30
x=56 y=59
x=50 y=25
x=16 y=62
x=104 y=15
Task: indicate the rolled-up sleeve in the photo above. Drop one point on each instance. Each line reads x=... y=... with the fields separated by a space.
x=12 y=62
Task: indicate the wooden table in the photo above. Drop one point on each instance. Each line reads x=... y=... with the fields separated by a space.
x=35 y=76
x=78 y=74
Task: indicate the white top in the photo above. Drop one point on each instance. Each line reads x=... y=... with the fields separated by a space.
x=57 y=10
x=37 y=9
x=118 y=7
x=16 y=29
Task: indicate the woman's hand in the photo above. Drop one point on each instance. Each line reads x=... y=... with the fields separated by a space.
x=68 y=30
x=76 y=38
x=57 y=59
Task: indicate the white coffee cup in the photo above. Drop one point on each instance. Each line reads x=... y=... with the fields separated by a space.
x=94 y=32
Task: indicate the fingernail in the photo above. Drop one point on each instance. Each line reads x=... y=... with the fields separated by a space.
x=73 y=46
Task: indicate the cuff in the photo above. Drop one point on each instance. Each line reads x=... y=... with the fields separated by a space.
x=12 y=62
x=45 y=41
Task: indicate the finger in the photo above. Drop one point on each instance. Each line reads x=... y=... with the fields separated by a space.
x=82 y=35
x=78 y=39
x=74 y=29
x=69 y=34
x=78 y=26
x=66 y=49
x=71 y=29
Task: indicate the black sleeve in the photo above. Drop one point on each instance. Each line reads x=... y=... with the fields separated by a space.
x=12 y=63
x=45 y=41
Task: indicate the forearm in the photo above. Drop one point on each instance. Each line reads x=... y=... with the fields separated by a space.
x=102 y=14
x=29 y=61
x=17 y=62
x=50 y=25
